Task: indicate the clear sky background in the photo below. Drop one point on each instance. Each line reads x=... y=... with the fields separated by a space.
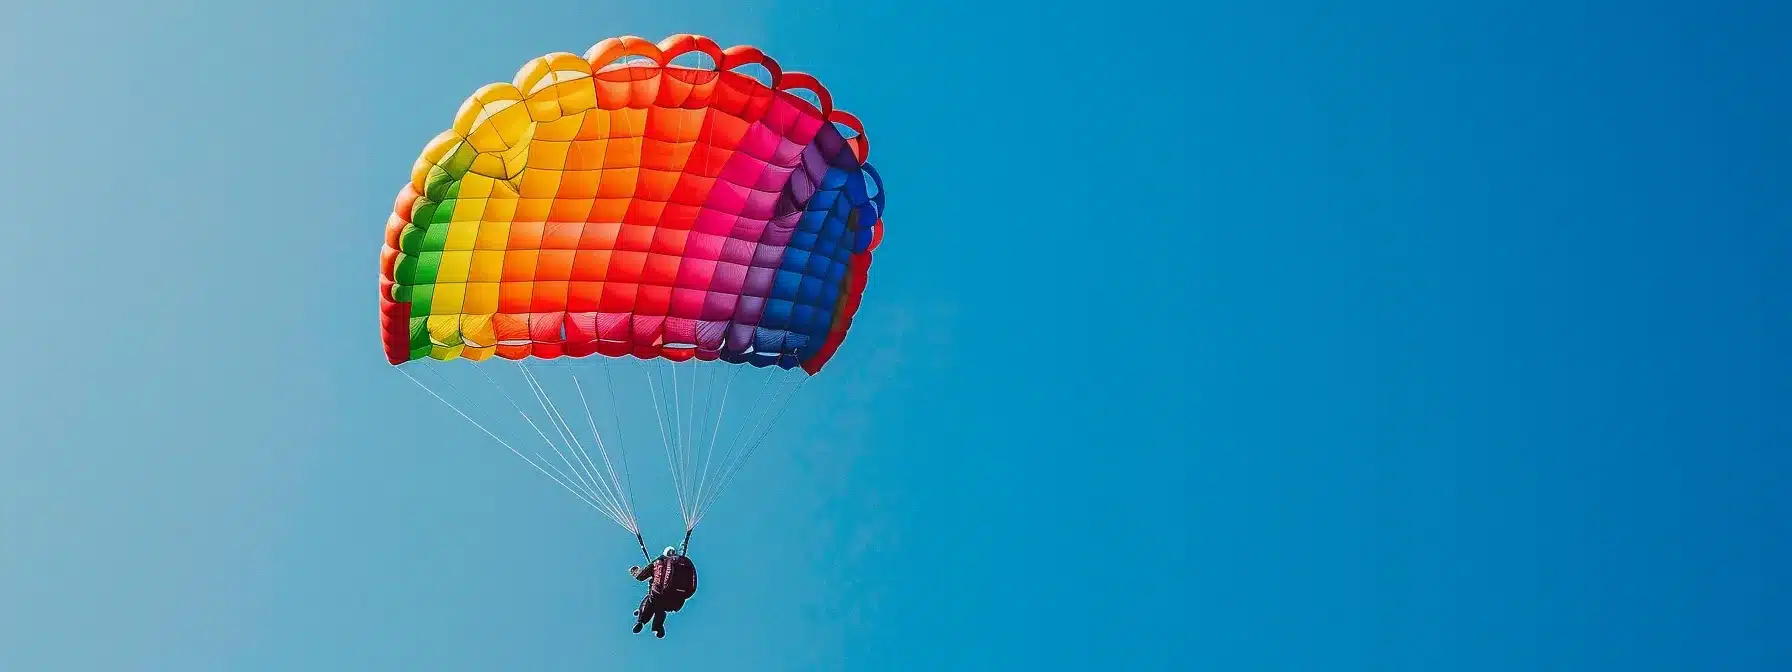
x=1382 y=336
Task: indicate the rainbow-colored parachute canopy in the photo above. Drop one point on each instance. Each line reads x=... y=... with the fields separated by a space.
x=618 y=204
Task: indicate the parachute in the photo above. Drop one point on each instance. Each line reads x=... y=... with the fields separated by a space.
x=623 y=216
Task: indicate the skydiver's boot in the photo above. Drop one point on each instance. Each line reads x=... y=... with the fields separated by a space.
x=638 y=628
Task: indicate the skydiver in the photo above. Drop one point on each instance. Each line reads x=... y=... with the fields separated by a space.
x=672 y=580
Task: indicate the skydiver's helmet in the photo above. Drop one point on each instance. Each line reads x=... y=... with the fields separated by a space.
x=669 y=552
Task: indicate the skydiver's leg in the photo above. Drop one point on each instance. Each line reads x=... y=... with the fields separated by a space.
x=644 y=612
x=659 y=623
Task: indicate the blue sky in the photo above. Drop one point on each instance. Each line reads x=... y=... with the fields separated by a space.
x=1394 y=337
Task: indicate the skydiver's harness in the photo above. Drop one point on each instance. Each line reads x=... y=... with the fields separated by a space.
x=685 y=546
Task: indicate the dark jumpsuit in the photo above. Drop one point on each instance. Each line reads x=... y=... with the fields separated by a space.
x=672 y=580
